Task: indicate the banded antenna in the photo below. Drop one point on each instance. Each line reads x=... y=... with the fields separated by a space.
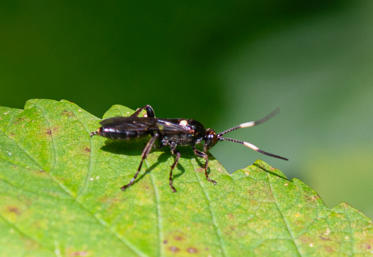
x=247 y=144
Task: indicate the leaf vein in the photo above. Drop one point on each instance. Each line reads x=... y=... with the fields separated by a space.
x=14 y=227
x=212 y=214
x=159 y=217
x=10 y=121
x=53 y=145
x=350 y=230
x=25 y=152
x=282 y=216
x=21 y=189
x=83 y=187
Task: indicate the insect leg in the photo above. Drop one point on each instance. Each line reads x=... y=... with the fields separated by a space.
x=144 y=154
x=149 y=111
x=177 y=157
x=206 y=157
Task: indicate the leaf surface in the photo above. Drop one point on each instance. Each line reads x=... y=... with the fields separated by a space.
x=60 y=196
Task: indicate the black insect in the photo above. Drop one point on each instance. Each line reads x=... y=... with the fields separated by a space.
x=172 y=133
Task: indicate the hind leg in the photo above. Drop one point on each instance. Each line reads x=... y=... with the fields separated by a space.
x=144 y=154
x=149 y=111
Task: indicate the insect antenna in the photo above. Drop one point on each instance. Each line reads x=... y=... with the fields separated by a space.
x=251 y=123
x=251 y=146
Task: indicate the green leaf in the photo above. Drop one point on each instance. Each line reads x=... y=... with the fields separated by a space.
x=60 y=196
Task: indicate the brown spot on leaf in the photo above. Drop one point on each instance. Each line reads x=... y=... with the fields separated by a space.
x=174 y=249
x=79 y=253
x=230 y=216
x=200 y=170
x=192 y=250
x=305 y=239
x=18 y=120
x=325 y=238
x=315 y=197
x=178 y=238
x=312 y=198
x=14 y=209
x=329 y=249
x=67 y=113
x=109 y=200
x=87 y=149
x=229 y=230
x=251 y=192
x=369 y=246
x=165 y=241
x=48 y=132
x=51 y=131
x=40 y=173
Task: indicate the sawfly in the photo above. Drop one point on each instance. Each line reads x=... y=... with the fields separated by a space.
x=172 y=133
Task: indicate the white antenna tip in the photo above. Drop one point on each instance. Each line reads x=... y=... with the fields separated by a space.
x=247 y=124
x=247 y=144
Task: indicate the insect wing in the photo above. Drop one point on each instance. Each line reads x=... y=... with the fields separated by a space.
x=171 y=126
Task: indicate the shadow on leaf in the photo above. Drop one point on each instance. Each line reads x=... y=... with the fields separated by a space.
x=136 y=146
x=270 y=172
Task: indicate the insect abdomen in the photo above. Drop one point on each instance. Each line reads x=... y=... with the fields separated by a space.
x=121 y=134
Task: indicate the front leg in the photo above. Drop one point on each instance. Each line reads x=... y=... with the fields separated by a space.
x=206 y=157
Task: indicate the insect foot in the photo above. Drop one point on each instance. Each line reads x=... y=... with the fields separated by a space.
x=125 y=187
x=173 y=188
x=212 y=181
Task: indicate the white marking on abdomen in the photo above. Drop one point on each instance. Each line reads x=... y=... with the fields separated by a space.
x=183 y=123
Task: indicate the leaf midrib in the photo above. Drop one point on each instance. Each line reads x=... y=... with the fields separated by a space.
x=290 y=232
x=212 y=213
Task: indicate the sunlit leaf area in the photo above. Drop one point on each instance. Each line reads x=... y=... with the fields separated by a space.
x=60 y=196
x=219 y=62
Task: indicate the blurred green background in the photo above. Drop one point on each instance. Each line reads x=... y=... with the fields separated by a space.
x=220 y=62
